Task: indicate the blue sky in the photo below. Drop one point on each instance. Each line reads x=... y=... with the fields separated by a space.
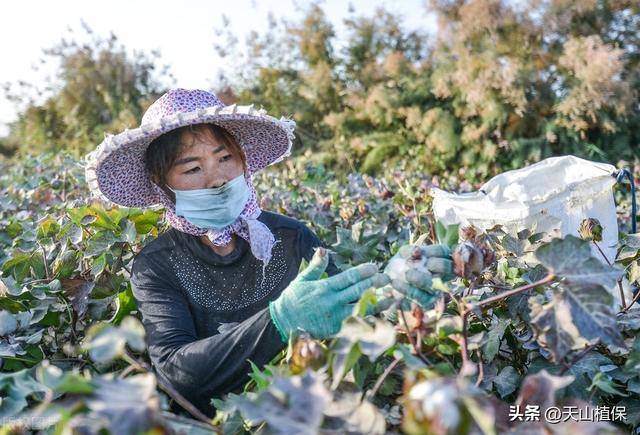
x=27 y=27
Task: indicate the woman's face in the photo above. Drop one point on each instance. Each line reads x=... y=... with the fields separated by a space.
x=202 y=163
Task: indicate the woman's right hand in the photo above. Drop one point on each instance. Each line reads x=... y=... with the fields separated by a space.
x=318 y=306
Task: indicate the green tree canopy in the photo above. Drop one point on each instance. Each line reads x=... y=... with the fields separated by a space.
x=501 y=84
x=497 y=85
x=98 y=88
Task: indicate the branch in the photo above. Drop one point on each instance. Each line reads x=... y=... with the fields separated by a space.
x=547 y=279
x=577 y=358
x=624 y=302
x=463 y=342
x=413 y=344
x=480 y=369
x=188 y=406
x=633 y=301
x=44 y=260
x=465 y=313
x=371 y=393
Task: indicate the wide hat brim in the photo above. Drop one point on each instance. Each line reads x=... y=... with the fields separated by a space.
x=116 y=169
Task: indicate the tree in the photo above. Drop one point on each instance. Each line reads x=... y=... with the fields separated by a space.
x=503 y=84
x=98 y=88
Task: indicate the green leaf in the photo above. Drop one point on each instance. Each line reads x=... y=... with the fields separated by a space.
x=491 y=343
x=81 y=216
x=570 y=258
x=629 y=320
x=71 y=232
x=11 y=305
x=577 y=316
x=507 y=381
x=8 y=323
x=99 y=243
x=13 y=229
x=144 y=220
x=604 y=383
x=47 y=227
x=129 y=231
x=356 y=247
x=19 y=266
x=447 y=348
x=632 y=364
x=126 y=304
x=16 y=388
x=108 y=220
x=368 y=299
x=344 y=358
x=583 y=371
x=262 y=379
x=106 y=342
x=98 y=265
x=632 y=408
x=290 y=405
x=8 y=286
x=128 y=405
x=62 y=382
x=447 y=234
x=404 y=352
x=65 y=263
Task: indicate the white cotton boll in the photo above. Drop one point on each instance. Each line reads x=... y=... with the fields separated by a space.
x=398 y=266
x=396 y=269
x=437 y=401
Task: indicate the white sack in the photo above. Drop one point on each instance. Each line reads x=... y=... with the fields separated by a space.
x=551 y=196
x=554 y=194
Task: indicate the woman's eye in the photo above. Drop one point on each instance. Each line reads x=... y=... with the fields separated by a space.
x=225 y=158
x=193 y=170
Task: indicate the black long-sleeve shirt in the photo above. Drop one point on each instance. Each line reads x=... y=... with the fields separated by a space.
x=205 y=315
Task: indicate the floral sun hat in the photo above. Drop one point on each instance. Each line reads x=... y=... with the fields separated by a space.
x=116 y=170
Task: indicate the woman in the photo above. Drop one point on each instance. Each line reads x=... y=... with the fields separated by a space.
x=221 y=287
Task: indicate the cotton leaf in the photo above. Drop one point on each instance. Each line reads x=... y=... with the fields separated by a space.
x=78 y=291
x=578 y=315
x=507 y=381
x=106 y=342
x=15 y=388
x=62 y=382
x=358 y=336
x=373 y=335
x=491 y=342
x=570 y=258
x=8 y=323
x=540 y=389
x=629 y=320
x=289 y=405
x=354 y=246
x=347 y=414
x=129 y=405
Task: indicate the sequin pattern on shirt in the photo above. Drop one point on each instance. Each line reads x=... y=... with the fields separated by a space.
x=219 y=288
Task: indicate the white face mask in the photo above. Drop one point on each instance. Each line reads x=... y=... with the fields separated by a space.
x=213 y=208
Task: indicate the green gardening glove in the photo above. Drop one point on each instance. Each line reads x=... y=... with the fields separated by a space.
x=318 y=306
x=411 y=272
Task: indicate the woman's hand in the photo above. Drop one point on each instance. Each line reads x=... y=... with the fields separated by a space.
x=318 y=306
x=411 y=272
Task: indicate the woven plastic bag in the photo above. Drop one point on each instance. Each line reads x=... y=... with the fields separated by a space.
x=552 y=196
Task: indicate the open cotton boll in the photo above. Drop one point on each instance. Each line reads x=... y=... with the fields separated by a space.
x=398 y=266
